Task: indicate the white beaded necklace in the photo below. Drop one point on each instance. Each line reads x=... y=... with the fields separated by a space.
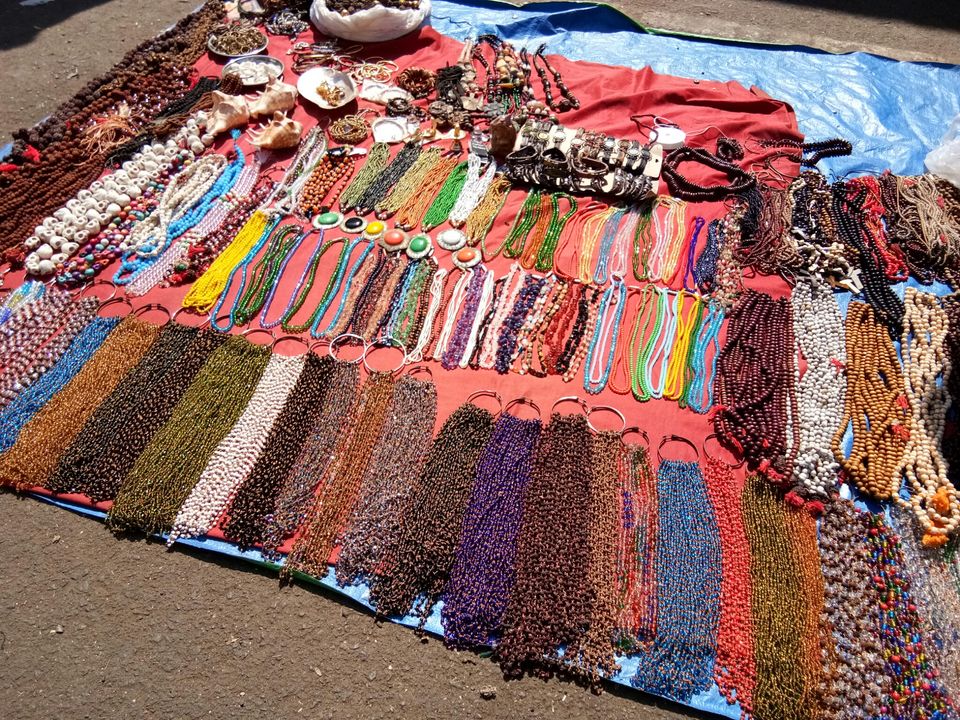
x=453 y=312
x=474 y=189
x=436 y=296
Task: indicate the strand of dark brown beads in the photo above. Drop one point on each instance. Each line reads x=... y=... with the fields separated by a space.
x=73 y=472
x=255 y=497
x=596 y=658
x=147 y=410
x=296 y=493
x=777 y=602
x=34 y=456
x=854 y=679
x=166 y=471
x=421 y=561
x=145 y=80
x=951 y=436
x=374 y=526
x=550 y=604
x=341 y=481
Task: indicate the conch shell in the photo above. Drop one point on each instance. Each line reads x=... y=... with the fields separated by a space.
x=229 y=111
x=276 y=96
x=278 y=134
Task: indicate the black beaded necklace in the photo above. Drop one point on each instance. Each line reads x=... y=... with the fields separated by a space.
x=388 y=178
x=685 y=189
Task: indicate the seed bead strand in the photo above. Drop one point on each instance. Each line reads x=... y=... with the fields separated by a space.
x=235 y=456
x=376 y=162
x=680 y=661
x=33 y=459
x=341 y=481
x=18 y=412
x=71 y=474
x=550 y=604
x=926 y=371
x=170 y=465
x=821 y=390
x=475 y=189
x=877 y=407
x=411 y=212
x=480 y=220
x=699 y=395
x=483 y=572
x=854 y=678
x=297 y=490
x=385 y=180
x=437 y=285
x=247 y=515
x=373 y=529
x=410 y=183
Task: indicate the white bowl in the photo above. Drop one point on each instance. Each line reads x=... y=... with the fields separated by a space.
x=375 y=24
x=312 y=78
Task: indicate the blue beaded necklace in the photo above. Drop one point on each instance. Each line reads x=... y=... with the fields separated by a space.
x=601 y=271
x=608 y=323
x=663 y=344
x=283 y=266
x=690 y=273
x=702 y=374
x=346 y=289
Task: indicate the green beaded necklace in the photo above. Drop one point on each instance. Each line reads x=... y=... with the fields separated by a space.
x=447 y=197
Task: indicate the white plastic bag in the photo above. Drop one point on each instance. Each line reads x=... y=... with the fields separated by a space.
x=944 y=160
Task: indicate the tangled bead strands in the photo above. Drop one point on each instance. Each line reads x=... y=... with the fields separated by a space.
x=483 y=573
x=423 y=556
x=169 y=467
x=33 y=459
x=387 y=179
x=374 y=165
x=233 y=460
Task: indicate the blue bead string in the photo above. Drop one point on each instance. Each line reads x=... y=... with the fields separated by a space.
x=663 y=347
x=690 y=273
x=702 y=374
x=614 y=297
x=601 y=271
x=264 y=323
x=346 y=289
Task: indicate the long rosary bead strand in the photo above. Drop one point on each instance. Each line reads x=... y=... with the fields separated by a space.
x=876 y=407
x=335 y=166
x=18 y=412
x=821 y=390
x=854 y=679
x=233 y=460
x=341 y=481
x=550 y=604
x=423 y=556
x=170 y=465
x=734 y=667
x=680 y=661
x=483 y=573
x=480 y=220
x=951 y=447
x=375 y=525
x=297 y=490
x=926 y=371
x=33 y=459
x=914 y=689
x=777 y=601
x=636 y=571
x=374 y=165
x=246 y=519
x=70 y=475
x=935 y=593
x=755 y=384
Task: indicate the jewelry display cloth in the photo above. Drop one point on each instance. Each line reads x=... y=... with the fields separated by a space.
x=610 y=94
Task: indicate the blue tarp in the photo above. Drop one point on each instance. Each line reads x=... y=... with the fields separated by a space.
x=893 y=113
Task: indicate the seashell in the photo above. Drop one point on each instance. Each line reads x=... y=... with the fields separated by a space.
x=277 y=96
x=280 y=133
x=229 y=111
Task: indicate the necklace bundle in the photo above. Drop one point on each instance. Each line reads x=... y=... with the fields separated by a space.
x=821 y=390
x=409 y=184
x=341 y=481
x=376 y=162
x=170 y=465
x=423 y=555
x=446 y=197
x=33 y=459
x=876 y=407
x=375 y=525
x=482 y=576
x=18 y=412
x=680 y=661
x=473 y=190
x=387 y=178
x=550 y=603
x=603 y=344
x=918 y=221
x=252 y=296
x=699 y=392
x=481 y=218
x=755 y=384
x=411 y=212
x=926 y=373
x=255 y=497
x=335 y=166
x=297 y=490
x=234 y=458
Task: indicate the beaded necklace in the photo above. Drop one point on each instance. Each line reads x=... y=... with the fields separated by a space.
x=866 y=191
x=699 y=395
x=926 y=372
x=609 y=316
x=876 y=407
x=575 y=349
x=480 y=220
x=374 y=527
x=406 y=321
x=662 y=345
x=483 y=572
x=428 y=188
x=437 y=285
x=553 y=553
x=609 y=234
x=523 y=223
x=593 y=228
x=311 y=148
x=423 y=556
x=680 y=660
x=234 y=458
x=386 y=179
x=368 y=279
x=705 y=269
x=689 y=273
x=374 y=165
x=663 y=258
x=474 y=189
x=676 y=377
x=512 y=283
x=410 y=183
x=15 y=415
x=637 y=355
x=453 y=310
x=341 y=480
x=71 y=474
x=333 y=285
x=296 y=492
x=533 y=319
x=380 y=300
x=455 y=344
x=41 y=442
x=304 y=284
x=170 y=465
x=335 y=166
x=821 y=391
x=251 y=297
x=246 y=519
x=397 y=298
x=554 y=304
x=447 y=197
x=539 y=255
x=509 y=332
